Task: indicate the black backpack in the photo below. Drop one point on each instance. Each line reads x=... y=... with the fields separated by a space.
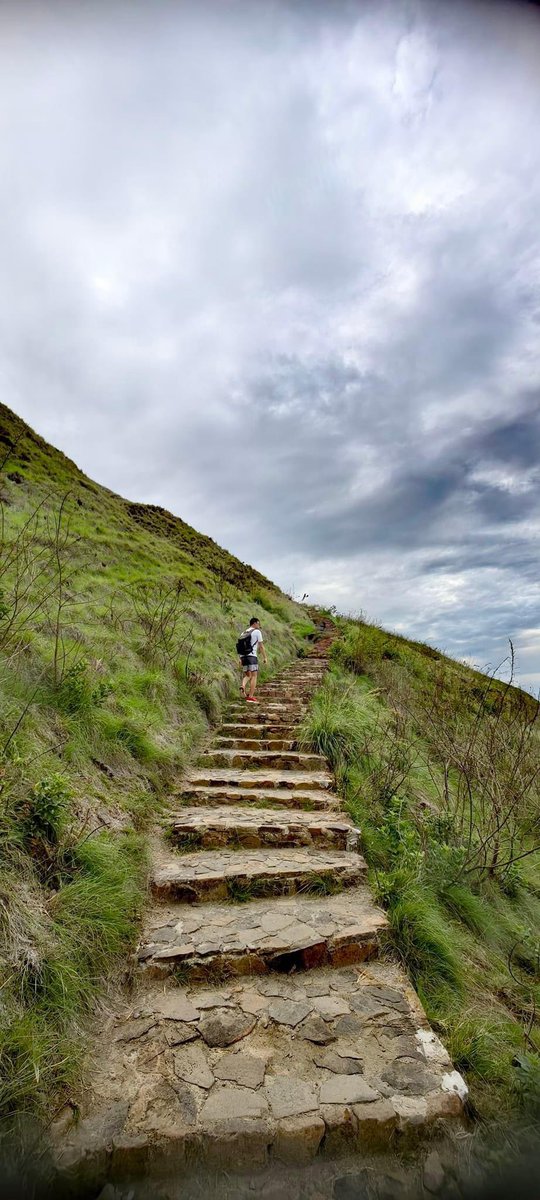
x=244 y=644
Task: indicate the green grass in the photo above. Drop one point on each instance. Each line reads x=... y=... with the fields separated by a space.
x=60 y=959
x=149 y=614
x=468 y=942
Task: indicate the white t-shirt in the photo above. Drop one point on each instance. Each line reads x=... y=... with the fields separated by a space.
x=256 y=637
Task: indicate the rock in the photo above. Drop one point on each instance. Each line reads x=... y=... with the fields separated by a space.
x=190 y=1064
x=177 y=1033
x=432 y=1047
x=454 y=1082
x=411 y=1111
x=444 y=1104
x=411 y=1078
x=405 y=1046
x=341 y=1129
x=433 y=1173
x=389 y=997
x=175 y=1006
x=317 y=988
x=332 y=1061
x=237 y=1144
x=376 y=1123
x=316 y=1030
x=290 y=1097
x=132 y=1030
x=330 y=1006
x=213 y=1000
x=158 y=1106
x=244 y=1069
x=344 y=979
x=252 y=1002
x=366 y=1005
x=280 y=987
x=100 y=1130
x=348 y=1026
x=346 y=1089
x=223 y=1026
x=298 y=1139
x=287 y=1012
x=179 y=952
x=225 y=1104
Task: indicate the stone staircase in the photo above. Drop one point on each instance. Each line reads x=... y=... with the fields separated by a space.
x=262 y=1024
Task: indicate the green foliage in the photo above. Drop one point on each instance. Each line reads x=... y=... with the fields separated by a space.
x=43 y=814
x=76 y=693
x=424 y=939
x=117 y=631
x=462 y=935
x=93 y=921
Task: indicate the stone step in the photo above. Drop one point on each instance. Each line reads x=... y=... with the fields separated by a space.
x=292 y=798
x=250 y=714
x=207 y=776
x=277 y=710
x=256 y=729
x=225 y=742
x=258 y=1072
x=210 y=828
x=242 y=874
x=284 y=934
x=282 y=760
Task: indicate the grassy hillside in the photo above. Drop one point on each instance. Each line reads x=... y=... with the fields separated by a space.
x=117 y=630
x=440 y=767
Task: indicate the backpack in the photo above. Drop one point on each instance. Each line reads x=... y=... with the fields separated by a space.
x=244 y=644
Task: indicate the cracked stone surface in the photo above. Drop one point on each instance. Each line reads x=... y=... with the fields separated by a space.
x=207 y=874
x=212 y=827
x=259 y=1030
x=324 y=928
x=350 y=1078
x=303 y=799
x=257 y=778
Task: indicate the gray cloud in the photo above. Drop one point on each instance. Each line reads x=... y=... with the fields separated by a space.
x=277 y=267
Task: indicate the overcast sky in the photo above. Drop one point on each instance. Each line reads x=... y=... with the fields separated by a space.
x=276 y=266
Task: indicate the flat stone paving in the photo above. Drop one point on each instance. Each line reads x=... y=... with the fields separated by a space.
x=213 y=827
x=263 y=1031
x=295 y=931
x=257 y=778
x=298 y=798
x=265 y=1068
x=210 y=873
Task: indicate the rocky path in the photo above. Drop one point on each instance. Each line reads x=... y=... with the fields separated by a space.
x=262 y=1025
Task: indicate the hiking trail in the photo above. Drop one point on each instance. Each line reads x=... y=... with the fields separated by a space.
x=262 y=1025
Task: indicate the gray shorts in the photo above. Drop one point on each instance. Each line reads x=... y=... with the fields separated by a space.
x=250 y=662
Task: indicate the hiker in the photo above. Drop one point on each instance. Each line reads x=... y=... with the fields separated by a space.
x=247 y=648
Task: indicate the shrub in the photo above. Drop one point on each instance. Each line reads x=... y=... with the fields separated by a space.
x=43 y=815
x=76 y=692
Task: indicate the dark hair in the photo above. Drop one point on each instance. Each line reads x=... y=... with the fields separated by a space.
x=254 y=621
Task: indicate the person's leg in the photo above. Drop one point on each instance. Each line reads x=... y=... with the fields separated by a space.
x=253 y=681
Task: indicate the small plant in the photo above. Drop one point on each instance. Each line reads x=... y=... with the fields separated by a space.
x=76 y=692
x=44 y=814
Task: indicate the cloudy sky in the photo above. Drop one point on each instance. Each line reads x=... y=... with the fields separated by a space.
x=276 y=266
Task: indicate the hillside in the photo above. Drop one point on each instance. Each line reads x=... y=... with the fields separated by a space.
x=439 y=766
x=117 y=630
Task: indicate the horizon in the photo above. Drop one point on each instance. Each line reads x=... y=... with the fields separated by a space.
x=301 y=313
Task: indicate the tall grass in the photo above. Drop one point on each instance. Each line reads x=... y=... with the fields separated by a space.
x=454 y=933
